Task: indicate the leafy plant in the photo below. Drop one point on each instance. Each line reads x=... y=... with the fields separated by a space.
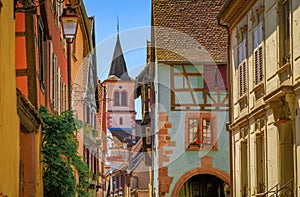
x=61 y=161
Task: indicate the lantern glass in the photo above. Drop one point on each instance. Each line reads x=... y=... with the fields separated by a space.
x=69 y=26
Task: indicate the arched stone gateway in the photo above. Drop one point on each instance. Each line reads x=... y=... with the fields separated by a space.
x=203 y=182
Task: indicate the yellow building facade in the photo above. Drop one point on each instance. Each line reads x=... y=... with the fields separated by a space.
x=9 y=131
x=265 y=100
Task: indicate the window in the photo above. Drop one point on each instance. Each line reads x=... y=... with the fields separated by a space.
x=116 y=99
x=260 y=164
x=193 y=131
x=285 y=31
x=244 y=169
x=88 y=157
x=124 y=98
x=95 y=121
x=201 y=131
x=121 y=121
x=260 y=155
x=52 y=59
x=242 y=68
x=258 y=53
x=95 y=165
x=207 y=131
x=41 y=55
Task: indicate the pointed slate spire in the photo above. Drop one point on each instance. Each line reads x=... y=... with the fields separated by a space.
x=118 y=64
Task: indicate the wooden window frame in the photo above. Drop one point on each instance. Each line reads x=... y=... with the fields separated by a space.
x=199 y=144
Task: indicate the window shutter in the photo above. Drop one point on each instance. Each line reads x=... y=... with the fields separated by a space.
x=244 y=77
x=58 y=90
x=65 y=96
x=241 y=80
x=51 y=65
x=258 y=53
x=256 y=67
x=261 y=66
x=55 y=83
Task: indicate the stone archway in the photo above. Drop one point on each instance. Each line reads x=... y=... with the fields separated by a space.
x=200 y=171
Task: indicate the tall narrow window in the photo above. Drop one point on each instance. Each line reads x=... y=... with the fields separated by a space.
x=58 y=90
x=207 y=131
x=88 y=157
x=41 y=54
x=193 y=132
x=116 y=99
x=95 y=165
x=285 y=31
x=121 y=121
x=124 y=98
x=260 y=164
x=52 y=59
x=244 y=169
x=258 y=52
x=242 y=66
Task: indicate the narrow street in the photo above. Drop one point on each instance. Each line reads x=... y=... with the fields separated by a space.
x=149 y=98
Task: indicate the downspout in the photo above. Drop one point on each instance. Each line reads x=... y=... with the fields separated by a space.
x=229 y=79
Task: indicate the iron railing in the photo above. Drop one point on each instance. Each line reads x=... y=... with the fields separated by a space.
x=276 y=189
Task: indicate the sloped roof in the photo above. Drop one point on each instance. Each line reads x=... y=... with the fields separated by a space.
x=118 y=64
x=187 y=30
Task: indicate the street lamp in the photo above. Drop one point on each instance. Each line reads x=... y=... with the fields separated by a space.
x=69 y=22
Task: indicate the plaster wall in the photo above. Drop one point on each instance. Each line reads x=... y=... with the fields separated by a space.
x=9 y=131
x=127 y=86
x=182 y=161
x=127 y=112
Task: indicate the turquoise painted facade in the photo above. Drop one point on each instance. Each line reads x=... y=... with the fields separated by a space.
x=181 y=161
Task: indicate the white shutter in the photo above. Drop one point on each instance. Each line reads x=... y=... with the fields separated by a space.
x=55 y=83
x=258 y=53
x=58 y=90
x=51 y=65
x=64 y=97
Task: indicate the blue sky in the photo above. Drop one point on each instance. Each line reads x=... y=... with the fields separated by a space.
x=134 y=16
x=134 y=22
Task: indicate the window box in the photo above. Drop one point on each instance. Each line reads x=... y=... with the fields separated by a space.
x=195 y=147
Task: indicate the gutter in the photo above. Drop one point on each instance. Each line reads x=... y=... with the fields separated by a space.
x=229 y=81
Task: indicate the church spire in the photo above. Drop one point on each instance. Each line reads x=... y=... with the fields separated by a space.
x=118 y=27
x=118 y=64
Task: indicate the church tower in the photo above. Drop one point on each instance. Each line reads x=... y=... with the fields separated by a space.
x=120 y=111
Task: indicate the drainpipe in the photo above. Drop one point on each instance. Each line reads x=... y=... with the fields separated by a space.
x=226 y=26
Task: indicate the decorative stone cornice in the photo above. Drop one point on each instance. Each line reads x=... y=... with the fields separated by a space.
x=29 y=118
x=279 y=92
x=233 y=9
